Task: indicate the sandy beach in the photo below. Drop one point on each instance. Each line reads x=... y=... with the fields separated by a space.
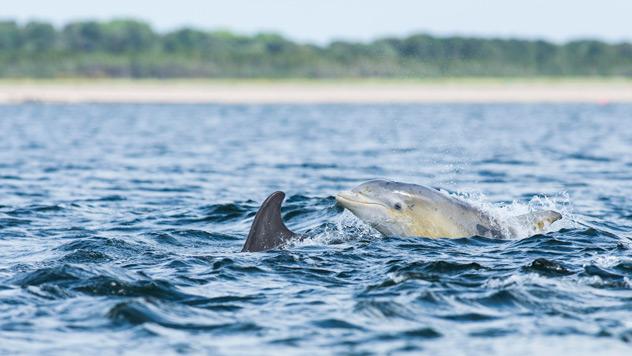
x=305 y=91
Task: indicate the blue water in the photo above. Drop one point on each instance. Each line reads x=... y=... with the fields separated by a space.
x=120 y=227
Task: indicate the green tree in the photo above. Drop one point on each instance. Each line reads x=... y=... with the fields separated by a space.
x=86 y=36
x=130 y=48
x=121 y=36
x=187 y=40
x=10 y=37
x=39 y=36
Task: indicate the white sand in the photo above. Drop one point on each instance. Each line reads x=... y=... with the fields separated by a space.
x=592 y=91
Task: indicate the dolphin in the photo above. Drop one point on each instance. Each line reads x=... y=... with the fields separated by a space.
x=411 y=210
x=397 y=209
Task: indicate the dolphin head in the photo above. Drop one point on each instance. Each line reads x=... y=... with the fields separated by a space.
x=389 y=207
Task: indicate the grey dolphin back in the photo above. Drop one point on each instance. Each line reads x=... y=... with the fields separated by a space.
x=268 y=230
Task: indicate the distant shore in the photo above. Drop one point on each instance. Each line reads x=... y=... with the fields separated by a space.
x=317 y=91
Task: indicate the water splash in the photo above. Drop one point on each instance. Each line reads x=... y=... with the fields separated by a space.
x=504 y=214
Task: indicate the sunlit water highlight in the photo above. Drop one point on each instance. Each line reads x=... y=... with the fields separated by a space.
x=120 y=227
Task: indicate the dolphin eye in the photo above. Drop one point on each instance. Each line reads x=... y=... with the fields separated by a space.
x=398 y=206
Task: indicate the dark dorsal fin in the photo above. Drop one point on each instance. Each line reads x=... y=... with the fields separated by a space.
x=267 y=230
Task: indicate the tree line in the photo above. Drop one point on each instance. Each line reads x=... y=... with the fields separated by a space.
x=128 y=48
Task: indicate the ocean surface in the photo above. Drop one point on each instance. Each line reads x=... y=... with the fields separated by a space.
x=121 y=226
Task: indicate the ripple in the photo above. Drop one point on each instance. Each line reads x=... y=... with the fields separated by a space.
x=547 y=267
x=114 y=248
x=469 y=317
x=383 y=309
x=52 y=275
x=106 y=285
x=335 y=324
x=137 y=313
x=11 y=222
x=33 y=209
x=86 y=256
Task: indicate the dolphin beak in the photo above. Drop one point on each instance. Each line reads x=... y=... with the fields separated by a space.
x=345 y=198
x=349 y=198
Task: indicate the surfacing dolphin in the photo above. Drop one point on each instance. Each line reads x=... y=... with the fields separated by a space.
x=401 y=209
x=398 y=209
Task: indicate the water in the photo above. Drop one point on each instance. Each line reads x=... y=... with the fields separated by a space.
x=120 y=227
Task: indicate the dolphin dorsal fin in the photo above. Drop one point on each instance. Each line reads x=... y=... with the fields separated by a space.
x=539 y=220
x=268 y=230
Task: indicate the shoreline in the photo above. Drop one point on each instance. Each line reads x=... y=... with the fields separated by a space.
x=301 y=91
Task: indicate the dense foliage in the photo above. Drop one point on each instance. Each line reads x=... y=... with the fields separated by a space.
x=129 y=48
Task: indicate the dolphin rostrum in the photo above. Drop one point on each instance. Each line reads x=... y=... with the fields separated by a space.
x=401 y=209
x=268 y=230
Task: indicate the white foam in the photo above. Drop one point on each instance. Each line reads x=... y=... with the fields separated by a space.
x=346 y=228
x=504 y=214
x=606 y=261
